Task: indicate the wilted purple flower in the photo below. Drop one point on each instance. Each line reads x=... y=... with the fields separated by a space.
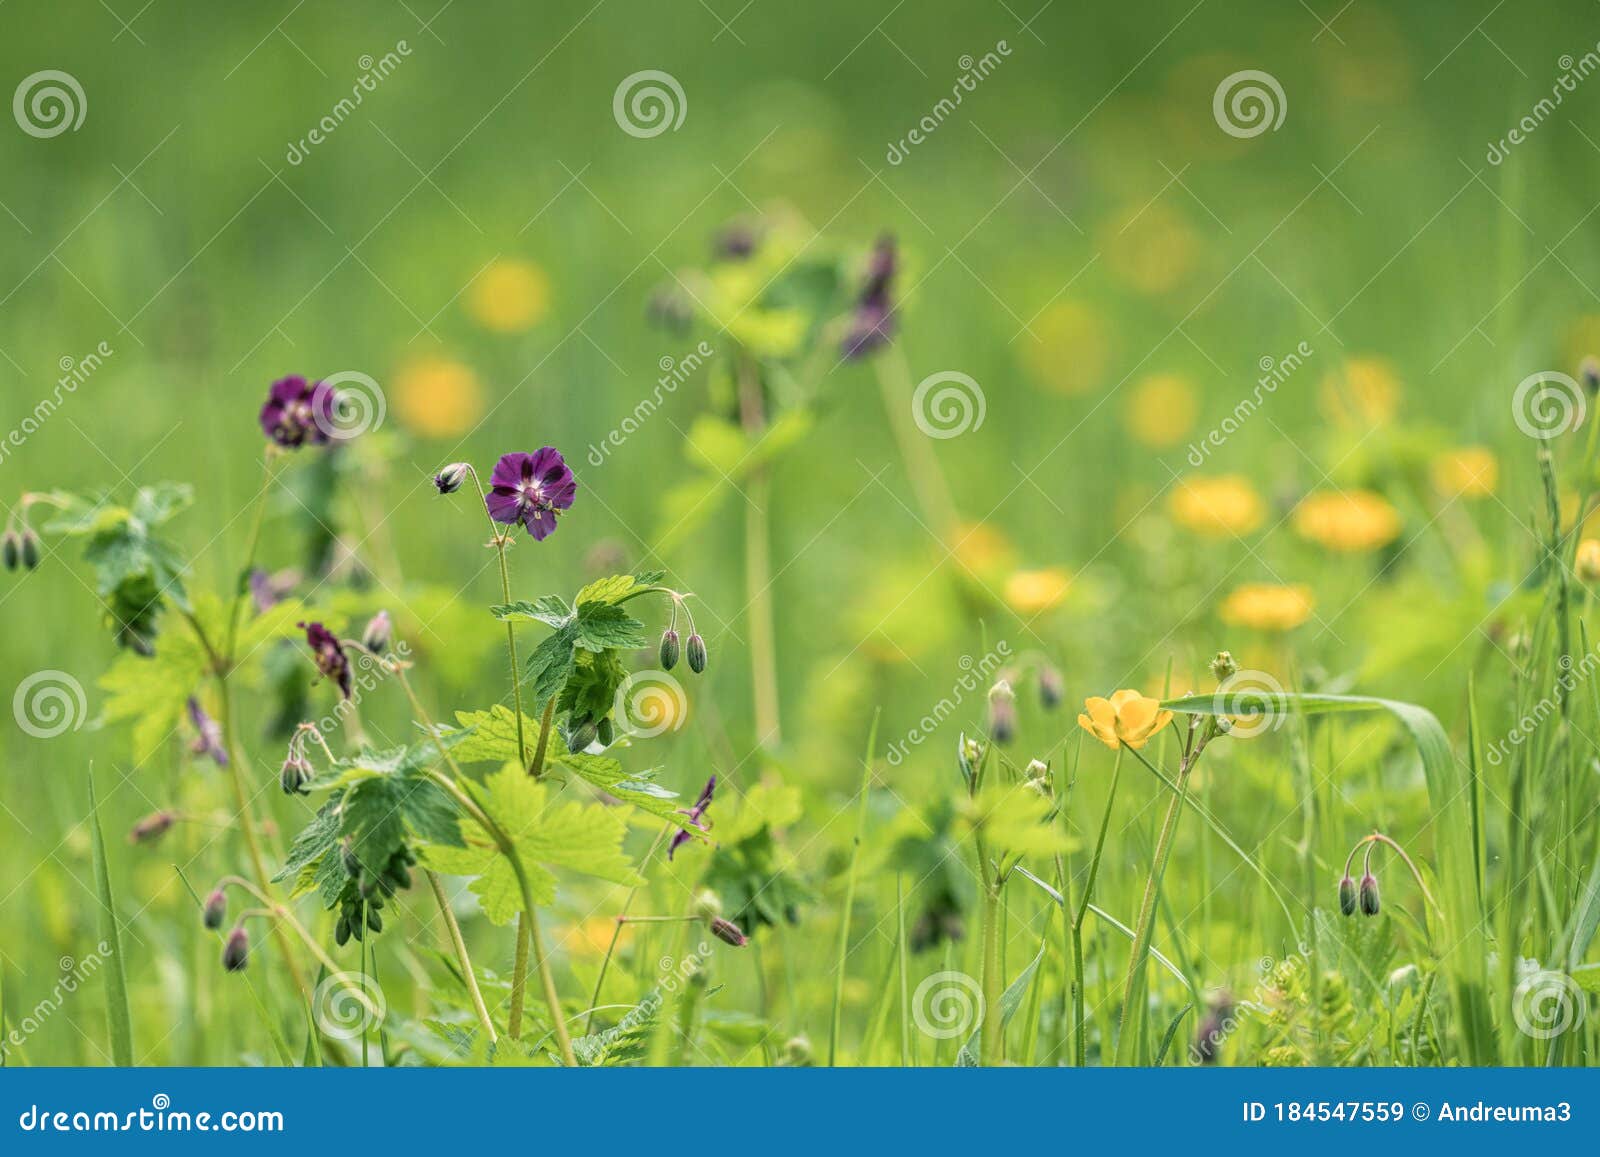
x=151 y=828
x=530 y=488
x=873 y=322
x=268 y=590
x=682 y=836
x=236 y=952
x=297 y=412
x=329 y=655
x=207 y=734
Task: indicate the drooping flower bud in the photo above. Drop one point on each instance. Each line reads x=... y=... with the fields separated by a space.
x=294 y=777
x=216 y=909
x=1052 y=690
x=968 y=753
x=236 y=952
x=728 y=932
x=669 y=649
x=695 y=650
x=1347 y=896
x=1369 y=894
x=151 y=828
x=30 y=549
x=1224 y=666
x=1002 y=713
x=12 y=549
x=606 y=732
x=707 y=904
x=1589 y=371
x=449 y=479
x=378 y=633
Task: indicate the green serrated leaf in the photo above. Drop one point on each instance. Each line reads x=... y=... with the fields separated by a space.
x=550 y=664
x=602 y=627
x=550 y=609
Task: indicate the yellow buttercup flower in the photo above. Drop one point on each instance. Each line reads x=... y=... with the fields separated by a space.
x=982 y=549
x=1218 y=506
x=1161 y=410
x=1127 y=717
x=509 y=297
x=1268 y=606
x=1347 y=520
x=1030 y=592
x=1470 y=472
x=1588 y=562
x=437 y=397
x=1150 y=247
x=1362 y=393
x=1069 y=349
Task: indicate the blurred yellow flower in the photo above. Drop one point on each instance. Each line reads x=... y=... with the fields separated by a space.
x=437 y=397
x=1470 y=472
x=1150 y=247
x=1030 y=592
x=1223 y=505
x=1588 y=562
x=1348 y=520
x=589 y=937
x=1069 y=349
x=1161 y=409
x=1127 y=717
x=510 y=296
x=1362 y=393
x=1267 y=606
x=982 y=549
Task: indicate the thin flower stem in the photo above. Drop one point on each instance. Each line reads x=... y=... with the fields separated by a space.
x=758 y=565
x=850 y=890
x=500 y=543
x=991 y=1034
x=916 y=449
x=1080 y=1045
x=462 y=957
x=252 y=543
x=616 y=933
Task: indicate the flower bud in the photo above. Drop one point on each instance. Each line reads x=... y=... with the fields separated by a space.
x=30 y=549
x=1589 y=371
x=1052 y=690
x=797 y=1051
x=1224 y=666
x=12 y=549
x=1002 y=713
x=236 y=952
x=341 y=931
x=582 y=736
x=1369 y=895
x=669 y=649
x=1347 y=896
x=378 y=634
x=605 y=732
x=728 y=932
x=294 y=777
x=968 y=754
x=696 y=652
x=707 y=904
x=216 y=909
x=449 y=480
x=151 y=828
x=374 y=921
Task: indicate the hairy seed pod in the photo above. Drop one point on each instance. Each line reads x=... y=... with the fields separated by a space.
x=216 y=909
x=582 y=736
x=30 y=549
x=12 y=549
x=236 y=952
x=341 y=931
x=669 y=649
x=352 y=862
x=1347 y=896
x=695 y=649
x=374 y=921
x=1369 y=894
x=606 y=732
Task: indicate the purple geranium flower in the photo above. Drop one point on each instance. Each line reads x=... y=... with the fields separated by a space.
x=297 y=412
x=208 y=734
x=682 y=836
x=329 y=655
x=873 y=322
x=530 y=488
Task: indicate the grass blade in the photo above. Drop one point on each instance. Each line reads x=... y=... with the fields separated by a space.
x=119 y=1022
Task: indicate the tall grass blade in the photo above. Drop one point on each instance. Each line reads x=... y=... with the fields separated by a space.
x=119 y=1021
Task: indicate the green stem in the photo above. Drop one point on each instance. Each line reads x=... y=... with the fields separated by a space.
x=991 y=1040
x=758 y=566
x=469 y=976
x=916 y=449
x=1080 y=1044
x=850 y=891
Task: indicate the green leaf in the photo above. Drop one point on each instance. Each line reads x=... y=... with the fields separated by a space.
x=119 y=1022
x=550 y=665
x=549 y=609
x=601 y=627
x=618 y=587
x=153 y=505
x=1010 y=1001
x=584 y=838
x=1017 y=821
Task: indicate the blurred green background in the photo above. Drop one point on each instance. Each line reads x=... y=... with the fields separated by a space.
x=1080 y=237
